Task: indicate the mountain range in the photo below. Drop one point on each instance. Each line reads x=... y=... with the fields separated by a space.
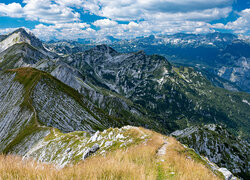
x=52 y=91
x=222 y=57
x=221 y=54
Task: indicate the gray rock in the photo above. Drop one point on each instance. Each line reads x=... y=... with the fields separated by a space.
x=218 y=145
x=227 y=174
x=68 y=150
x=91 y=150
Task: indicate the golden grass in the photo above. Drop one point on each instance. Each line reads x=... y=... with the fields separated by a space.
x=182 y=167
x=137 y=162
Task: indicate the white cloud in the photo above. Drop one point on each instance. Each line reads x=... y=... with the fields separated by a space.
x=11 y=10
x=63 y=31
x=49 y=12
x=44 y=11
x=105 y=23
x=145 y=17
x=145 y=28
x=70 y=3
x=71 y=25
x=7 y=30
x=142 y=9
x=240 y=25
x=204 y=15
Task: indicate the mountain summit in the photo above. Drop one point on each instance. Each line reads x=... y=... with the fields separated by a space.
x=19 y=36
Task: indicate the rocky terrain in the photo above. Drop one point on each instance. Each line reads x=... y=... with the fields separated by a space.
x=52 y=102
x=222 y=57
x=222 y=54
x=220 y=146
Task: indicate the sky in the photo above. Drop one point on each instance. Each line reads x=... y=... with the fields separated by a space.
x=123 y=19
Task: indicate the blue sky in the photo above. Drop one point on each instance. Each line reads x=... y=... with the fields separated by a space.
x=124 y=19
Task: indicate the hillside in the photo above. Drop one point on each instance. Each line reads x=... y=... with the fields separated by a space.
x=174 y=96
x=136 y=154
x=32 y=99
x=219 y=145
x=64 y=109
x=221 y=54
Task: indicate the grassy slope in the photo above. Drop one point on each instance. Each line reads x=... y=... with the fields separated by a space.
x=139 y=161
x=29 y=77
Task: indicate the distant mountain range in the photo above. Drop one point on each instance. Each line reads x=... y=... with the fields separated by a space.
x=61 y=86
x=222 y=57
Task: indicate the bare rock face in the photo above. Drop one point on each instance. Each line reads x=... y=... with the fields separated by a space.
x=64 y=148
x=220 y=146
x=19 y=36
x=68 y=75
x=26 y=107
x=227 y=174
x=91 y=150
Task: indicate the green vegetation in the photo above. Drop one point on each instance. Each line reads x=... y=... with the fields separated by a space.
x=138 y=161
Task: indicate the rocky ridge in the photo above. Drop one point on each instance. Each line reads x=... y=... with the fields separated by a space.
x=98 y=89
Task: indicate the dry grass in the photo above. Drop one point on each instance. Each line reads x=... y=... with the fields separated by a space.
x=137 y=162
x=182 y=167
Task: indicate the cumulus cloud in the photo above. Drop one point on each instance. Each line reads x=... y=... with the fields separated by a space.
x=141 y=9
x=105 y=23
x=64 y=19
x=204 y=15
x=11 y=10
x=145 y=28
x=7 y=30
x=70 y=3
x=44 y=11
x=63 y=31
x=240 y=25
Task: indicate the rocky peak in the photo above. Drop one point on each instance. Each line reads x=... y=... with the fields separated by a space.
x=19 y=36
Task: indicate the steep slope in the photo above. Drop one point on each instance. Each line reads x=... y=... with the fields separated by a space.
x=20 y=55
x=20 y=48
x=117 y=106
x=31 y=98
x=42 y=101
x=20 y=36
x=220 y=146
x=221 y=54
x=16 y=122
x=125 y=153
x=174 y=96
x=25 y=55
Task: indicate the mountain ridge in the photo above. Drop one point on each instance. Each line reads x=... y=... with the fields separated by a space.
x=100 y=88
x=213 y=52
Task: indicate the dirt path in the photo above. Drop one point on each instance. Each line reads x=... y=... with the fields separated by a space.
x=162 y=150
